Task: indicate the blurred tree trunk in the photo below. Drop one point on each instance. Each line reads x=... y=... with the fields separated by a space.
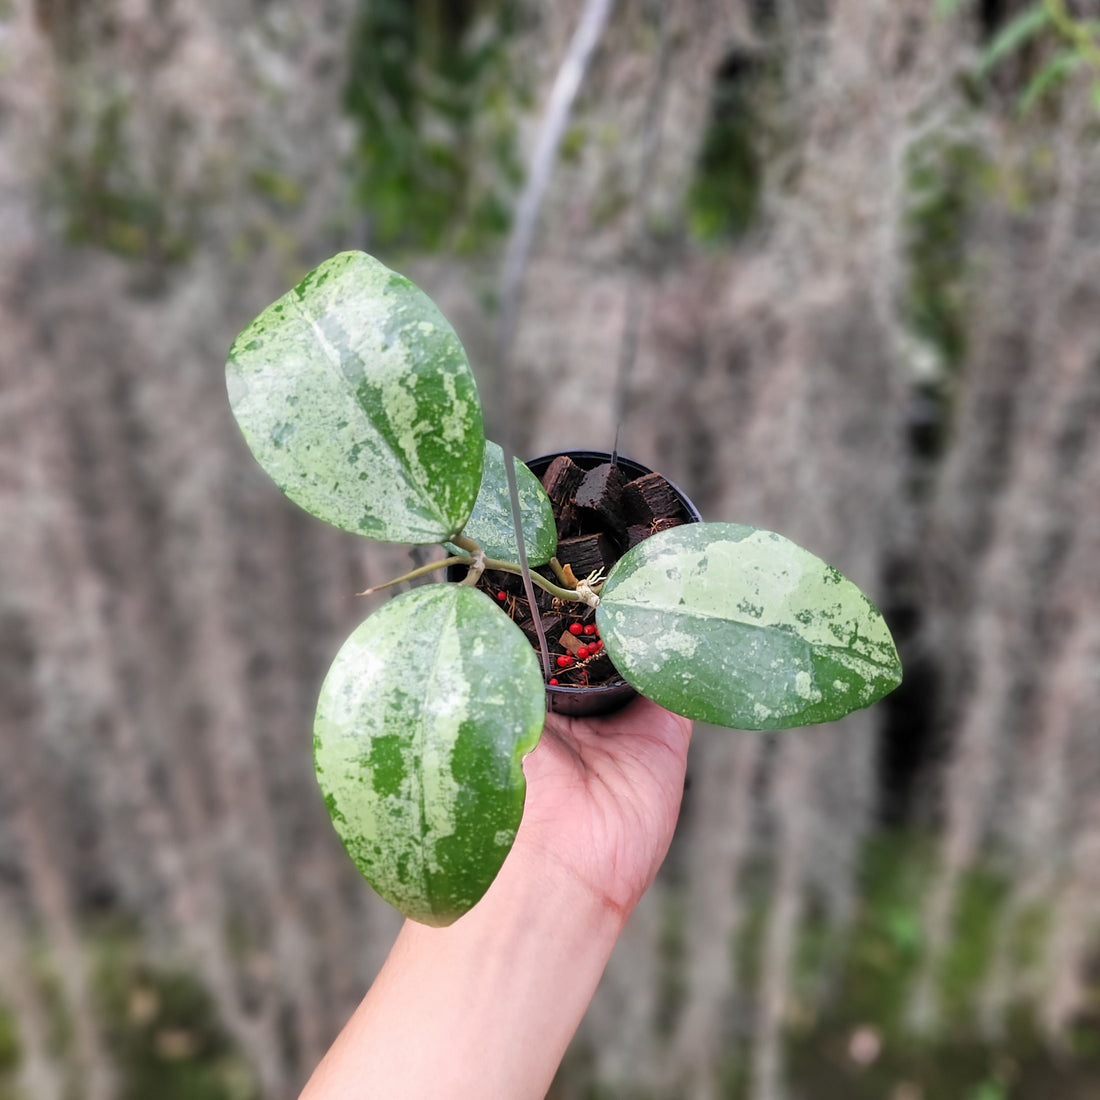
x=139 y=562
x=166 y=169
x=1014 y=562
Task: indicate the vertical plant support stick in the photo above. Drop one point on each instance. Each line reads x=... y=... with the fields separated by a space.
x=562 y=96
x=639 y=235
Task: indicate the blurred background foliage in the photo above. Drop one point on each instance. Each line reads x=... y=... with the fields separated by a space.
x=433 y=90
x=848 y=251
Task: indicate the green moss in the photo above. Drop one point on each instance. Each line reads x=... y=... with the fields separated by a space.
x=980 y=902
x=573 y=143
x=9 y=1046
x=432 y=90
x=105 y=204
x=860 y=979
x=671 y=954
x=946 y=183
x=163 y=1029
x=283 y=191
x=875 y=980
x=724 y=196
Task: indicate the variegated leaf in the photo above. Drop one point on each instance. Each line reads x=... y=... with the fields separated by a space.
x=421 y=727
x=355 y=395
x=490 y=523
x=741 y=627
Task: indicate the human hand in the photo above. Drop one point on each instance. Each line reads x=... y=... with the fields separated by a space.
x=487 y=1005
x=603 y=795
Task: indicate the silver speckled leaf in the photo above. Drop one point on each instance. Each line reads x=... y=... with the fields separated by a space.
x=738 y=626
x=422 y=724
x=490 y=523
x=355 y=395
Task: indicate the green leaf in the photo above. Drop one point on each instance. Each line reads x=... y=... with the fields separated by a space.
x=421 y=727
x=490 y=523
x=355 y=395
x=741 y=627
x=1012 y=36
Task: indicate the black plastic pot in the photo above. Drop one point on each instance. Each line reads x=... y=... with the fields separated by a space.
x=606 y=698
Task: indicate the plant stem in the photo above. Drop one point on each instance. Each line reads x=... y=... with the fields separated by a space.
x=541 y=581
x=559 y=572
x=464 y=542
x=474 y=556
x=431 y=567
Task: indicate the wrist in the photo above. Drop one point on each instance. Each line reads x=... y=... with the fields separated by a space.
x=485 y=1006
x=524 y=962
x=537 y=881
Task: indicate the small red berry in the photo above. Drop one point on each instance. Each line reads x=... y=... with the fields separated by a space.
x=582 y=653
x=575 y=628
x=564 y=661
x=596 y=646
x=553 y=681
x=502 y=595
x=590 y=629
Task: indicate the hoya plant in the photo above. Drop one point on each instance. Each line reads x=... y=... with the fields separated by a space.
x=355 y=395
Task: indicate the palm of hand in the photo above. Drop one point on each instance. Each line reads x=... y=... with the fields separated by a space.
x=603 y=795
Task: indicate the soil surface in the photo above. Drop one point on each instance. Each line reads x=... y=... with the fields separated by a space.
x=599 y=515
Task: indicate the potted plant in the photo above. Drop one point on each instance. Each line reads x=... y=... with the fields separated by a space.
x=603 y=505
x=355 y=395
